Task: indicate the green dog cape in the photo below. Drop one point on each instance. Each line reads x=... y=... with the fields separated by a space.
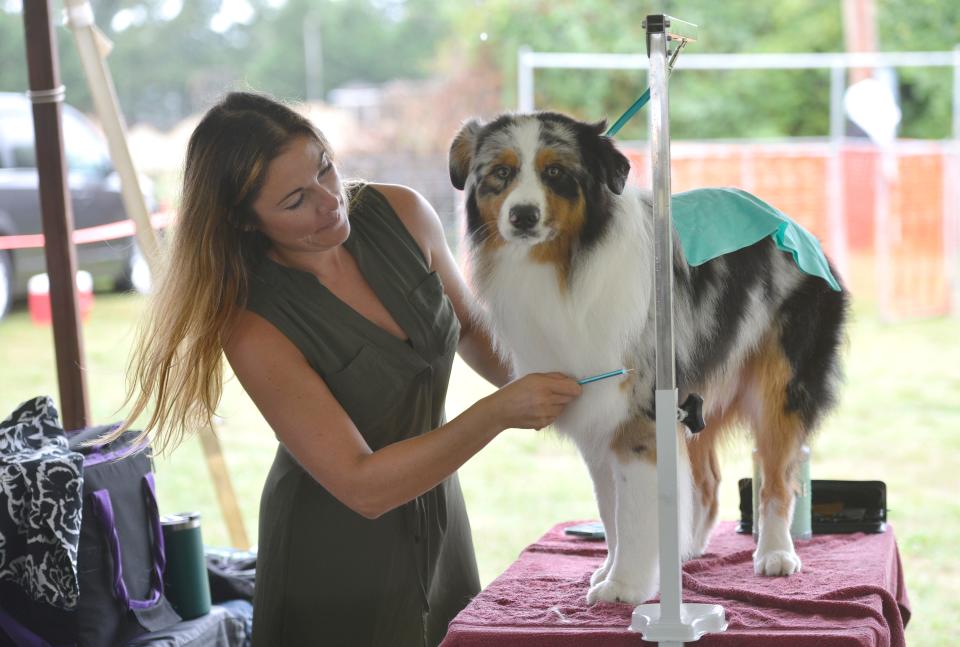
x=716 y=221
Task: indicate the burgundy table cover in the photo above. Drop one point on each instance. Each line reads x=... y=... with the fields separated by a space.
x=850 y=593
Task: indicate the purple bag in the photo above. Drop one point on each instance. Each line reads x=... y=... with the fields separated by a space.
x=120 y=560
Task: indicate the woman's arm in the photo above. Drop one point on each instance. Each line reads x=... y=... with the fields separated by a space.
x=423 y=223
x=309 y=421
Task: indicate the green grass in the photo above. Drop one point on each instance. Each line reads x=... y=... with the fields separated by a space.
x=897 y=422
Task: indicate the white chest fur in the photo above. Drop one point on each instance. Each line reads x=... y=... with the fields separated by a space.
x=595 y=323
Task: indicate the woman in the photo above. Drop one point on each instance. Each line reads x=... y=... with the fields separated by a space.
x=339 y=310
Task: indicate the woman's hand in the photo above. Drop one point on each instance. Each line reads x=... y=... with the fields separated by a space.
x=532 y=401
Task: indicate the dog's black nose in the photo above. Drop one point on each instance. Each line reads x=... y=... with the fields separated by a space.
x=524 y=216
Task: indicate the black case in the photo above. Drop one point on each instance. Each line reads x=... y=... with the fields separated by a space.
x=837 y=506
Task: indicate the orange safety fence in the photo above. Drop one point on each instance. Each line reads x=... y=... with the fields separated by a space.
x=839 y=194
x=95 y=234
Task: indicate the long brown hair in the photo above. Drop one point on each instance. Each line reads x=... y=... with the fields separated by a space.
x=177 y=363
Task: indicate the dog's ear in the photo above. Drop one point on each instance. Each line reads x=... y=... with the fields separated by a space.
x=614 y=165
x=461 y=152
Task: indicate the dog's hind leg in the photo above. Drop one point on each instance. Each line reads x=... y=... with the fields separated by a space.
x=794 y=375
x=705 y=468
x=775 y=554
x=778 y=434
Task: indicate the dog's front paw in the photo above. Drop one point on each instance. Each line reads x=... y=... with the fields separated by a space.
x=600 y=574
x=614 y=591
x=776 y=562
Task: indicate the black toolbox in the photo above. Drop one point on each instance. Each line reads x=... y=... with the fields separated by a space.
x=836 y=506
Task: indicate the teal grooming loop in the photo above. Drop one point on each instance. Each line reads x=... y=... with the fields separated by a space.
x=645 y=97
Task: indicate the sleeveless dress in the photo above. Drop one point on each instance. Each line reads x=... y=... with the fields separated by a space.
x=325 y=574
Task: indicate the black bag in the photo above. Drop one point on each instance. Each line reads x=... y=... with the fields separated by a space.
x=837 y=507
x=111 y=520
x=232 y=574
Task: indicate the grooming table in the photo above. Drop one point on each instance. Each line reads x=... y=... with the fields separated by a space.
x=850 y=593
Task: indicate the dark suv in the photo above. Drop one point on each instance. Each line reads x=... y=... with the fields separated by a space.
x=94 y=193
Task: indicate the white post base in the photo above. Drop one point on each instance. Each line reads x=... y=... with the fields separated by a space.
x=695 y=621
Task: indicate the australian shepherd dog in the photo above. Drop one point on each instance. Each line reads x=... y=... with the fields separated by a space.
x=561 y=253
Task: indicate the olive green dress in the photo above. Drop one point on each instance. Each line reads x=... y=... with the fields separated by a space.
x=325 y=574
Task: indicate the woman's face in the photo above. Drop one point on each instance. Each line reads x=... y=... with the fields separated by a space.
x=301 y=205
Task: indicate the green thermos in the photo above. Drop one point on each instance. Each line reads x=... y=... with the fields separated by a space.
x=185 y=576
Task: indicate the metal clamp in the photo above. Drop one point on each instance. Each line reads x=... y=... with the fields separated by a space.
x=673 y=28
x=53 y=95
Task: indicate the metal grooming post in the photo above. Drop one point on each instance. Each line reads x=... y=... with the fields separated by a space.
x=671 y=622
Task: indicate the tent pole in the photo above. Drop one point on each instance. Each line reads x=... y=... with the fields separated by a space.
x=46 y=93
x=91 y=45
x=223 y=487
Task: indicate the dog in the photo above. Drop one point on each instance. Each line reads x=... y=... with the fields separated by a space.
x=560 y=258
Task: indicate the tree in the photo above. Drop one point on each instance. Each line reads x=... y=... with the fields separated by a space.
x=13 y=53
x=704 y=105
x=775 y=103
x=925 y=93
x=367 y=41
x=166 y=67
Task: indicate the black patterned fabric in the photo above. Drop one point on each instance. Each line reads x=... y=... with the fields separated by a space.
x=41 y=485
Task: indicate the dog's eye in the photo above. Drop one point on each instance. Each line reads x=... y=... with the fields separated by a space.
x=502 y=172
x=554 y=171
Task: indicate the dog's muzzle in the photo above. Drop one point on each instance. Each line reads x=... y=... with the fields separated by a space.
x=524 y=218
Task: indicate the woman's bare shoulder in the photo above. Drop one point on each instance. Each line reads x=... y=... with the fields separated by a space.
x=404 y=200
x=249 y=336
x=416 y=214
